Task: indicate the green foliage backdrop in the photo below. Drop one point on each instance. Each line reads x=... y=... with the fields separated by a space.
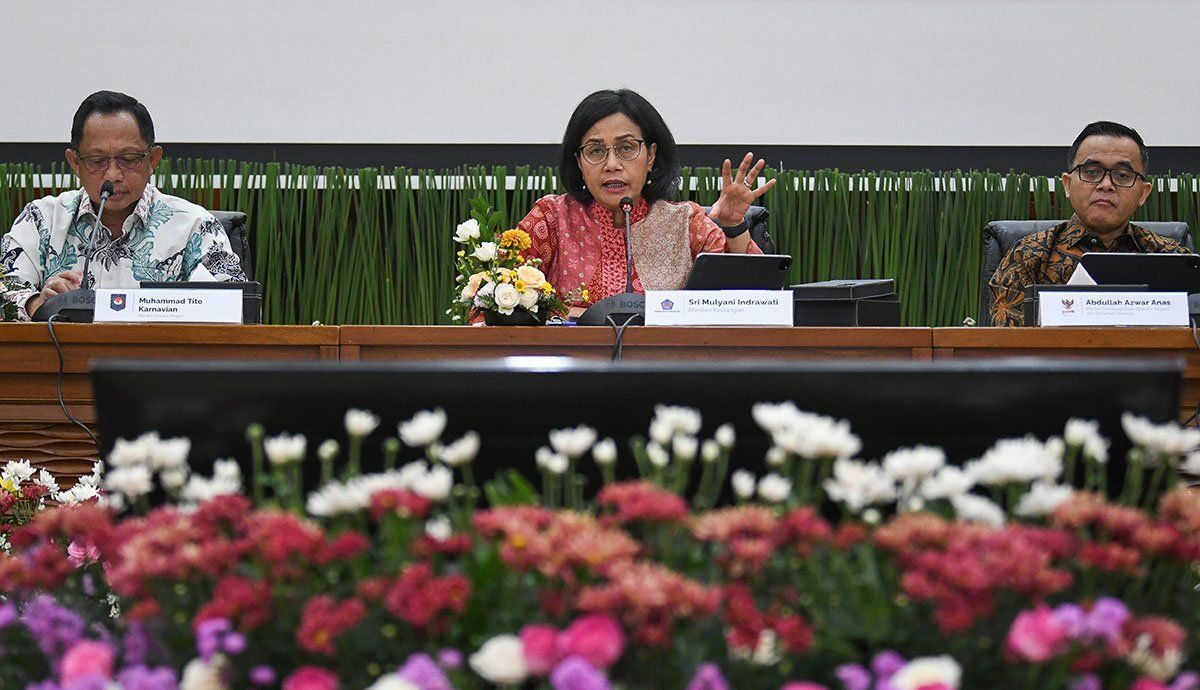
x=373 y=246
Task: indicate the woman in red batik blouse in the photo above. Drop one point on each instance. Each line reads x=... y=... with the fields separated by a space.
x=617 y=145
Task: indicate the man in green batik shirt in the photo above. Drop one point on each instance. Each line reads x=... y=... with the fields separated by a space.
x=144 y=235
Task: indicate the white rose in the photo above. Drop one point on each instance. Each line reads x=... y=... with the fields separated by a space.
x=360 y=423
x=284 y=449
x=605 y=452
x=743 y=484
x=424 y=428
x=774 y=488
x=461 y=451
x=923 y=671
x=529 y=298
x=466 y=231
x=485 y=252
x=507 y=298
x=501 y=660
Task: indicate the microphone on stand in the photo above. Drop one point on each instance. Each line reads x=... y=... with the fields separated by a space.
x=628 y=308
x=79 y=305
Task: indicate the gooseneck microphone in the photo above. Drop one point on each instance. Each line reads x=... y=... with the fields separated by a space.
x=106 y=191
x=627 y=209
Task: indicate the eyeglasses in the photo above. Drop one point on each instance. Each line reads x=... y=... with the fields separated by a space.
x=596 y=153
x=1094 y=174
x=127 y=161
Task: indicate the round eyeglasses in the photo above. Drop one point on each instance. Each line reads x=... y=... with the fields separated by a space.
x=596 y=153
x=127 y=161
x=1093 y=174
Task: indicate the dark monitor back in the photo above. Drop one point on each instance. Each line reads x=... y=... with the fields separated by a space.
x=962 y=406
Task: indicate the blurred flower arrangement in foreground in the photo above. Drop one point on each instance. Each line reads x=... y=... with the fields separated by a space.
x=1015 y=569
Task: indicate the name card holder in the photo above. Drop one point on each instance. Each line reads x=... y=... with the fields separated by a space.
x=719 y=308
x=1112 y=308
x=156 y=305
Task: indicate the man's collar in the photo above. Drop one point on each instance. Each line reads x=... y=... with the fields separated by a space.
x=1077 y=233
x=141 y=210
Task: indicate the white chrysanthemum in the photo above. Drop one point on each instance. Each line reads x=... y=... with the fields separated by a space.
x=424 y=428
x=685 y=447
x=743 y=484
x=657 y=455
x=360 y=423
x=974 y=508
x=328 y=450
x=776 y=456
x=439 y=528
x=928 y=671
x=573 y=443
x=436 y=484
x=466 y=231
x=858 y=485
x=285 y=449
x=132 y=481
x=946 y=483
x=77 y=494
x=1085 y=434
x=96 y=478
x=392 y=681
x=226 y=481
x=605 y=452
x=501 y=660
x=1018 y=460
x=47 y=480
x=773 y=488
x=202 y=675
x=725 y=436
x=460 y=452
x=1041 y=499
x=169 y=453
x=773 y=417
x=815 y=436
x=172 y=479
x=911 y=465
x=136 y=452
x=710 y=450
x=660 y=432
x=336 y=498
x=681 y=420
x=17 y=471
x=1191 y=465
x=1169 y=438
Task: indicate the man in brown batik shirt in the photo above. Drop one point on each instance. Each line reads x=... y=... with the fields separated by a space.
x=1106 y=183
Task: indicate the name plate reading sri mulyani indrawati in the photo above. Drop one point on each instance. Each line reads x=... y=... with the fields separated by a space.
x=150 y=305
x=719 y=307
x=1089 y=308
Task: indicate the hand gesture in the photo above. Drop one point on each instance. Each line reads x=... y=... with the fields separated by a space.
x=738 y=191
x=63 y=282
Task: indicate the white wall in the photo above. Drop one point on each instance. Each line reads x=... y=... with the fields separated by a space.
x=904 y=72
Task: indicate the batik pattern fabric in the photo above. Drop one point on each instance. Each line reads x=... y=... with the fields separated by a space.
x=165 y=239
x=1049 y=257
x=581 y=248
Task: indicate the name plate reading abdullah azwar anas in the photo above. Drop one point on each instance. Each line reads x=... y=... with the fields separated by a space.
x=1089 y=308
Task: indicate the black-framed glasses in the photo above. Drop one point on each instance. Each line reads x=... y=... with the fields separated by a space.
x=596 y=153
x=126 y=161
x=1093 y=174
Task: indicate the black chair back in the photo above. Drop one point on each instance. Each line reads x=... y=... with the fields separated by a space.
x=757 y=217
x=234 y=223
x=999 y=236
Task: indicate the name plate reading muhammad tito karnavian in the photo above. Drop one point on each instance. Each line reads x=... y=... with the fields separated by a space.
x=149 y=305
x=1092 y=308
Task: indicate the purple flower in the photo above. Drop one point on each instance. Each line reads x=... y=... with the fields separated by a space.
x=423 y=672
x=708 y=677
x=54 y=627
x=1189 y=680
x=233 y=643
x=208 y=637
x=853 y=676
x=262 y=675
x=1085 y=682
x=1071 y=617
x=8 y=615
x=1105 y=619
x=450 y=658
x=144 y=678
x=44 y=685
x=573 y=673
x=136 y=644
x=92 y=681
x=886 y=664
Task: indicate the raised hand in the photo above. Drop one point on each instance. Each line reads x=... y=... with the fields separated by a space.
x=738 y=191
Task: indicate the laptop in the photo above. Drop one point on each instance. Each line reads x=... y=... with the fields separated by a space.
x=1159 y=272
x=739 y=272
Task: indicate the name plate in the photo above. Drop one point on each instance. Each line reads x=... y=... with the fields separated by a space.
x=149 y=305
x=1093 y=308
x=719 y=307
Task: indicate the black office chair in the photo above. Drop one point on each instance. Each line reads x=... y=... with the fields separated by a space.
x=1000 y=236
x=234 y=223
x=757 y=216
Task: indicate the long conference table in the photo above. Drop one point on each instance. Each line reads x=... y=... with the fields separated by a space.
x=33 y=426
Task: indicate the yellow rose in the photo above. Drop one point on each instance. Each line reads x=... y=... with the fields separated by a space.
x=472 y=285
x=531 y=276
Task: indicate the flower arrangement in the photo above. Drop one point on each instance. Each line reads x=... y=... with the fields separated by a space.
x=493 y=274
x=8 y=310
x=1014 y=570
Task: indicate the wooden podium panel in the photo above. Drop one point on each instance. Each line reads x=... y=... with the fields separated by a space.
x=1139 y=343
x=33 y=426
x=374 y=343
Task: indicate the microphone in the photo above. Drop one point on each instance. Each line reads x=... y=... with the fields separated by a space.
x=77 y=306
x=627 y=209
x=106 y=191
